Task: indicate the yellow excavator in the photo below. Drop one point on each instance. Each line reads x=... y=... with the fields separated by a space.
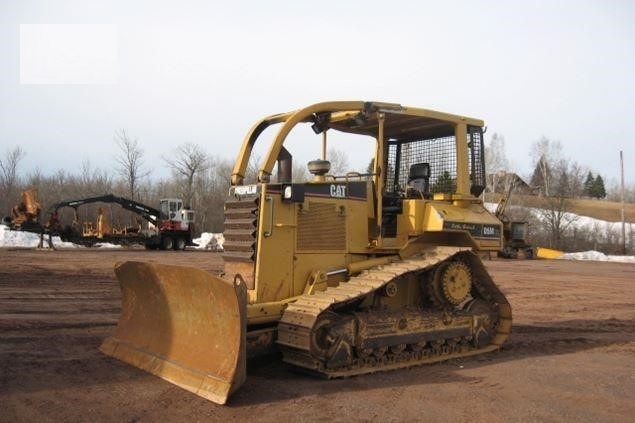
x=345 y=274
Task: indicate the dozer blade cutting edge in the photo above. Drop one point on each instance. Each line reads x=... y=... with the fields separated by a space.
x=184 y=325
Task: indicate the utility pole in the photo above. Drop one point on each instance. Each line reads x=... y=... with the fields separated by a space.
x=622 y=189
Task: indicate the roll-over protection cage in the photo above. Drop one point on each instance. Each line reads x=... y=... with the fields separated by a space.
x=440 y=156
x=451 y=145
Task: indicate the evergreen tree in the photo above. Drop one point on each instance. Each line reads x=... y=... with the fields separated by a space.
x=371 y=166
x=598 y=188
x=445 y=183
x=589 y=183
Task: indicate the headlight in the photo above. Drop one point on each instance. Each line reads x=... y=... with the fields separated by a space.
x=293 y=193
x=287 y=192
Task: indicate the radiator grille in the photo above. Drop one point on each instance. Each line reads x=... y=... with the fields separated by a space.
x=321 y=227
x=241 y=220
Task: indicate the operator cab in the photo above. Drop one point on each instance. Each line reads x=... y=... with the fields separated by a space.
x=172 y=209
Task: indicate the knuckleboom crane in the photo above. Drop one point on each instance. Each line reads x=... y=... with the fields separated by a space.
x=170 y=227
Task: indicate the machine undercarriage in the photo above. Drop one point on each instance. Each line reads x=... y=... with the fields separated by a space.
x=438 y=305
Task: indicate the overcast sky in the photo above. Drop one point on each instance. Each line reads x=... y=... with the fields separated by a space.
x=204 y=72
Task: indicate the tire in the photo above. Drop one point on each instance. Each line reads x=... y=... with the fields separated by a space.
x=530 y=253
x=166 y=243
x=179 y=244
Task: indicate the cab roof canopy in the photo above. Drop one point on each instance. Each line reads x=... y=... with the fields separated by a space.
x=400 y=124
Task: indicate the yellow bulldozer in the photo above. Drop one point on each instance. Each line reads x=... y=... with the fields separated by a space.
x=345 y=274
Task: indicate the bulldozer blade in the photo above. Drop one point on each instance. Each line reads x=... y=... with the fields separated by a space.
x=184 y=325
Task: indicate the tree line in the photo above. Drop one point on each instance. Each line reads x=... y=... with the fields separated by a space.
x=557 y=181
x=202 y=182
x=199 y=179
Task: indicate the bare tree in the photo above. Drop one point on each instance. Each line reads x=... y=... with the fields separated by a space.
x=546 y=154
x=253 y=166
x=188 y=162
x=9 y=173
x=566 y=184
x=130 y=162
x=496 y=160
x=94 y=181
x=213 y=184
x=614 y=192
x=339 y=162
x=300 y=172
x=576 y=174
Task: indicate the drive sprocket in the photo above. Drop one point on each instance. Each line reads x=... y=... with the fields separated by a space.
x=452 y=283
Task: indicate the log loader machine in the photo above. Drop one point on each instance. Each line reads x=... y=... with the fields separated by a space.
x=170 y=227
x=345 y=274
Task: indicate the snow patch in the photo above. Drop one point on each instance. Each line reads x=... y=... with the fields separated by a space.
x=19 y=239
x=596 y=256
x=105 y=245
x=210 y=241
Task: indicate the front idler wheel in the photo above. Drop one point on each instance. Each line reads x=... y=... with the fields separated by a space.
x=322 y=340
x=486 y=325
x=331 y=340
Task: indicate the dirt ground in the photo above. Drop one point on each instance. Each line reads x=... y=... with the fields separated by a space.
x=571 y=356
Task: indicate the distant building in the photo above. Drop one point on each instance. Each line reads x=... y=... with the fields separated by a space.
x=500 y=182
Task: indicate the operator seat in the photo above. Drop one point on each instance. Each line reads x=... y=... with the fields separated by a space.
x=419 y=181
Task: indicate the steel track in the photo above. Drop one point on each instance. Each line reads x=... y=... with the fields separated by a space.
x=299 y=319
